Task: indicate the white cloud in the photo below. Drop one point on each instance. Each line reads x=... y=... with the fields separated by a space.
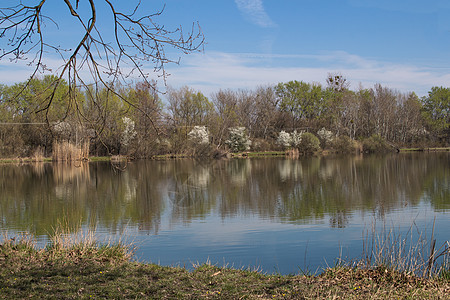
x=254 y=11
x=213 y=71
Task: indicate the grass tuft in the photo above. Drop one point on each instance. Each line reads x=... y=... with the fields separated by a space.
x=409 y=254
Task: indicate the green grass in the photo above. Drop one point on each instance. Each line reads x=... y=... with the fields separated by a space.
x=73 y=268
x=99 y=158
x=435 y=149
x=266 y=153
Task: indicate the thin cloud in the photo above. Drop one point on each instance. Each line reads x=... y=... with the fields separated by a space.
x=211 y=72
x=254 y=11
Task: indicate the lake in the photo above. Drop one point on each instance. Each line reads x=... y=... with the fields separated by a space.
x=277 y=215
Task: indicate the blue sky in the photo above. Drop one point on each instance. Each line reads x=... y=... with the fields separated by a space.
x=402 y=44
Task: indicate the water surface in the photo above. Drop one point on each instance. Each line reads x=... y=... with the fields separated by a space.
x=272 y=214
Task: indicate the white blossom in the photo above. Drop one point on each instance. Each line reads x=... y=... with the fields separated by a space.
x=199 y=135
x=128 y=133
x=63 y=129
x=238 y=140
x=284 y=139
x=296 y=138
x=325 y=135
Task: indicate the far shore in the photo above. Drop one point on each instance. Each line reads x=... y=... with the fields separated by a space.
x=247 y=154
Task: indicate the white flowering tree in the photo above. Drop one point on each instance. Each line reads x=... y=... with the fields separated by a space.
x=296 y=138
x=199 y=135
x=287 y=139
x=63 y=130
x=325 y=137
x=128 y=133
x=284 y=139
x=238 y=140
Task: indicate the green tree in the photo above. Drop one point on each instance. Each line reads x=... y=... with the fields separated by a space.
x=436 y=110
x=302 y=100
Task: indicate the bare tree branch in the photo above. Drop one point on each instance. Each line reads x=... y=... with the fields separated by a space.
x=137 y=41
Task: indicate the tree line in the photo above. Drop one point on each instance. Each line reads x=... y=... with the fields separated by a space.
x=138 y=121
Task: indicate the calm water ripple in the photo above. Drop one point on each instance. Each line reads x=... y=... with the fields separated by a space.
x=276 y=215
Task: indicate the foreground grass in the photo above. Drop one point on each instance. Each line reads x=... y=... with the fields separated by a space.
x=87 y=270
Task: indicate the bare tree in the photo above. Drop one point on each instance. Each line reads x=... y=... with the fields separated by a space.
x=110 y=58
x=337 y=82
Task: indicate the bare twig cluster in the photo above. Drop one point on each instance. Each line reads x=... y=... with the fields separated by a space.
x=137 y=40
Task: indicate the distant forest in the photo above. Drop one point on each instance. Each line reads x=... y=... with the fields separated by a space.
x=135 y=121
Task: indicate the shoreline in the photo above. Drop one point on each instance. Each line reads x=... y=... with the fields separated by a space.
x=247 y=154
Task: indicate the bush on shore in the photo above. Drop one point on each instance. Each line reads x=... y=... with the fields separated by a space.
x=375 y=144
x=344 y=144
x=309 y=143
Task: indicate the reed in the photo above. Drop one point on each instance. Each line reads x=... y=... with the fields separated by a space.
x=69 y=241
x=67 y=152
x=65 y=247
x=292 y=153
x=38 y=155
x=410 y=253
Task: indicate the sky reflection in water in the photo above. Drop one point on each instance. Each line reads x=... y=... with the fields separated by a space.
x=276 y=215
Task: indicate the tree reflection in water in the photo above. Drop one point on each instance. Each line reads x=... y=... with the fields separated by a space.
x=36 y=197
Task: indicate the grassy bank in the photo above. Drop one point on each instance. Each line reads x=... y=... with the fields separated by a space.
x=88 y=270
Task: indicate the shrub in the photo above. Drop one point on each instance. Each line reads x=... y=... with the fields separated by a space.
x=261 y=145
x=375 y=144
x=344 y=144
x=309 y=143
x=66 y=151
x=287 y=140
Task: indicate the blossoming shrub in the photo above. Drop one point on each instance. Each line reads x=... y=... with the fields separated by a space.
x=296 y=138
x=199 y=135
x=238 y=140
x=325 y=137
x=284 y=139
x=199 y=141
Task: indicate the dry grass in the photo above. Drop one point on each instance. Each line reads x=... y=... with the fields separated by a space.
x=68 y=152
x=38 y=155
x=75 y=265
x=292 y=153
x=412 y=253
x=67 y=270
